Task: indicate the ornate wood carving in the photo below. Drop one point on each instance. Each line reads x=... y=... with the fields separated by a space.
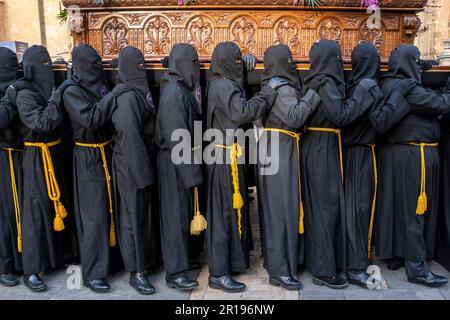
x=156 y=29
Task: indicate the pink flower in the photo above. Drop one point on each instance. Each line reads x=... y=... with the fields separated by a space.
x=180 y=2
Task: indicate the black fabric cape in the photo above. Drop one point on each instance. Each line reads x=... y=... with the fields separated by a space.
x=279 y=193
x=228 y=108
x=42 y=246
x=133 y=174
x=359 y=183
x=178 y=109
x=10 y=258
x=322 y=183
x=400 y=231
x=91 y=201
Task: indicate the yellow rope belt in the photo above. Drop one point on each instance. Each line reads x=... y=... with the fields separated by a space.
x=101 y=147
x=238 y=201
x=198 y=223
x=53 y=190
x=338 y=132
x=15 y=196
x=374 y=200
x=296 y=136
x=422 y=202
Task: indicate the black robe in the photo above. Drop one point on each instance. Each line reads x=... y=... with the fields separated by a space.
x=177 y=110
x=400 y=231
x=10 y=144
x=359 y=139
x=42 y=246
x=228 y=108
x=91 y=199
x=280 y=192
x=132 y=179
x=10 y=258
x=133 y=174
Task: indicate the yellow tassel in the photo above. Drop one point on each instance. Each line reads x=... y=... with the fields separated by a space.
x=238 y=202
x=62 y=211
x=422 y=204
x=198 y=224
x=19 y=244
x=301 y=226
x=58 y=224
x=112 y=236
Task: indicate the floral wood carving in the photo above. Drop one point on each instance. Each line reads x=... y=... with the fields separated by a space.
x=114 y=36
x=330 y=29
x=157 y=36
x=243 y=31
x=200 y=32
x=286 y=31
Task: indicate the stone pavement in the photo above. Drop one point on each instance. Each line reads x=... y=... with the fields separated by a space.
x=258 y=288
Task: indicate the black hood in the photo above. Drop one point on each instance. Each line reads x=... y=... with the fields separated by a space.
x=404 y=63
x=38 y=70
x=365 y=64
x=278 y=62
x=88 y=70
x=133 y=74
x=8 y=69
x=227 y=63
x=326 y=60
x=184 y=68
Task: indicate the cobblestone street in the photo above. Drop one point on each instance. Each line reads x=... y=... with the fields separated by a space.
x=257 y=288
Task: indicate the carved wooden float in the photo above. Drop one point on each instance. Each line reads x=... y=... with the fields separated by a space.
x=155 y=26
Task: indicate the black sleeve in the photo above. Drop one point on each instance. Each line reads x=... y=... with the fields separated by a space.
x=292 y=111
x=428 y=102
x=241 y=110
x=41 y=119
x=91 y=116
x=342 y=112
x=389 y=112
x=8 y=111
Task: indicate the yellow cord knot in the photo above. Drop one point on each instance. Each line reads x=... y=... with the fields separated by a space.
x=238 y=200
x=198 y=223
x=101 y=147
x=422 y=201
x=53 y=190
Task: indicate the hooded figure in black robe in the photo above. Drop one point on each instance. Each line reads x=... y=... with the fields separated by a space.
x=322 y=163
x=409 y=172
x=361 y=171
x=133 y=118
x=443 y=237
x=43 y=210
x=281 y=192
x=10 y=175
x=228 y=233
x=179 y=108
x=93 y=195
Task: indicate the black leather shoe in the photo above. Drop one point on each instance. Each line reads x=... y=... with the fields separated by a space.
x=97 y=285
x=431 y=280
x=140 y=283
x=334 y=282
x=34 y=282
x=358 y=279
x=181 y=283
x=226 y=283
x=287 y=282
x=9 y=280
x=395 y=263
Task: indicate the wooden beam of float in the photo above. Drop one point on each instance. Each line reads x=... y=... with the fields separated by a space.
x=154 y=26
